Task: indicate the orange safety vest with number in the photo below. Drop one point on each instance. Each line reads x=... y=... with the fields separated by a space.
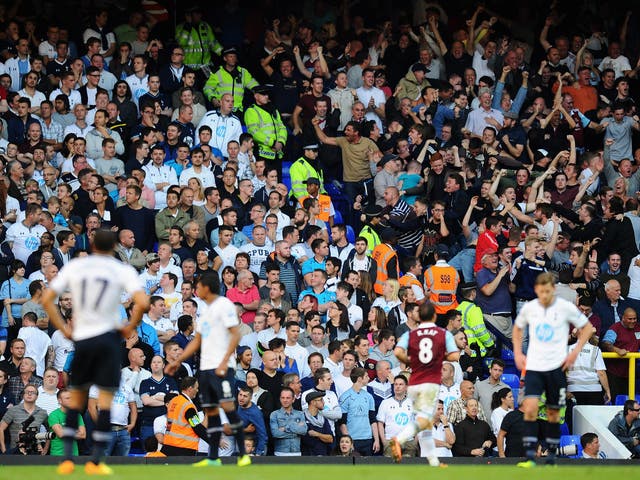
x=180 y=432
x=381 y=255
x=441 y=282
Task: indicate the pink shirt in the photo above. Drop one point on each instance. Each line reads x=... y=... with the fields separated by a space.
x=245 y=298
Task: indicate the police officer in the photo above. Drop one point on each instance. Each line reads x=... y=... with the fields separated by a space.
x=264 y=123
x=304 y=168
x=229 y=78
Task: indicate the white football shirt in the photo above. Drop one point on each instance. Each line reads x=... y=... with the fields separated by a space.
x=548 y=332
x=96 y=283
x=213 y=326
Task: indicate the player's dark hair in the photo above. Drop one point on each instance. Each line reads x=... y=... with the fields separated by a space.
x=104 y=240
x=427 y=312
x=211 y=281
x=184 y=322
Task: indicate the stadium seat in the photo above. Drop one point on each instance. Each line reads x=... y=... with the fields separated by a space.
x=351 y=235
x=566 y=440
x=337 y=217
x=286 y=178
x=512 y=380
x=564 y=429
x=620 y=399
x=516 y=392
x=507 y=354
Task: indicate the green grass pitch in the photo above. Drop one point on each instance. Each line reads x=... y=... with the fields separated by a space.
x=324 y=472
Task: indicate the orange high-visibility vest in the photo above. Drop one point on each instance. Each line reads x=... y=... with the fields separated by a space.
x=179 y=432
x=324 y=202
x=381 y=255
x=408 y=281
x=442 y=282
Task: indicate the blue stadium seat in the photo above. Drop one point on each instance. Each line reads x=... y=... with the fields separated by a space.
x=351 y=235
x=564 y=429
x=286 y=178
x=512 y=380
x=337 y=218
x=566 y=440
x=507 y=355
x=620 y=399
x=515 y=392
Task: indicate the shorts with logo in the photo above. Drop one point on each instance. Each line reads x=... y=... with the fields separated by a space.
x=425 y=399
x=552 y=383
x=214 y=389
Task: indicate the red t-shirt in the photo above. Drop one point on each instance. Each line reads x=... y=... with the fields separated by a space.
x=251 y=295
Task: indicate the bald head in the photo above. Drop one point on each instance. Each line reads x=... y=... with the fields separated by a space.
x=466 y=389
x=136 y=357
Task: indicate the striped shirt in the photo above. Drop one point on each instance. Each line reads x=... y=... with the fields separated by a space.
x=290 y=276
x=55 y=131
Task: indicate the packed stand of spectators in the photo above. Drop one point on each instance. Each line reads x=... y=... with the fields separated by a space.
x=431 y=154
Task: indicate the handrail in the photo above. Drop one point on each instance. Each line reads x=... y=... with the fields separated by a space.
x=632 y=357
x=499 y=335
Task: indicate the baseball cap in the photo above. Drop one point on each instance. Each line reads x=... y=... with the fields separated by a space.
x=386 y=159
x=313 y=395
x=152 y=257
x=419 y=67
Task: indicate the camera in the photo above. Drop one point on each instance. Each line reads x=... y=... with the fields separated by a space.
x=30 y=437
x=568 y=450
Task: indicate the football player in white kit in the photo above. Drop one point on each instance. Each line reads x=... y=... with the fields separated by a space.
x=547 y=320
x=96 y=283
x=217 y=336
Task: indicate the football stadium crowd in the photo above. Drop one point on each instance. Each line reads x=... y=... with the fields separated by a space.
x=338 y=164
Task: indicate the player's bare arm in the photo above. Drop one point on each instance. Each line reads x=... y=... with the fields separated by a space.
x=583 y=337
x=140 y=306
x=192 y=347
x=48 y=303
x=401 y=355
x=221 y=371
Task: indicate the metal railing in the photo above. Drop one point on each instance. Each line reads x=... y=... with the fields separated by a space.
x=631 y=357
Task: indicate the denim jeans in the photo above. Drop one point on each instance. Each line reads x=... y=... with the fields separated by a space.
x=120 y=443
x=364 y=447
x=463 y=262
x=146 y=431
